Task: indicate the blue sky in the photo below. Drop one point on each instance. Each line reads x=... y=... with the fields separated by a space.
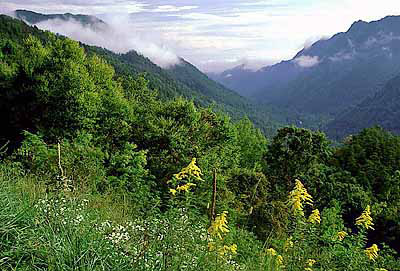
x=219 y=34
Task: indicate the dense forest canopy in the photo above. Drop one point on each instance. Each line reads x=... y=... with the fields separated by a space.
x=162 y=170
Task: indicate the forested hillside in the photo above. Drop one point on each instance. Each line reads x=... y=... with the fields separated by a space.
x=98 y=172
x=182 y=79
x=380 y=109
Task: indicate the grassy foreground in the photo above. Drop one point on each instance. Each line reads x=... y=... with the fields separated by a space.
x=42 y=230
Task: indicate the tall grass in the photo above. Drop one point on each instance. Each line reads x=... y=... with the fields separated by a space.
x=78 y=231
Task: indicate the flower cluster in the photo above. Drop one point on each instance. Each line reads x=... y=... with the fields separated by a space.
x=365 y=220
x=298 y=197
x=62 y=210
x=309 y=264
x=279 y=260
x=315 y=217
x=148 y=241
x=288 y=244
x=272 y=253
x=119 y=235
x=192 y=171
x=225 y=249
x=372 y=252
x=219 y=226
x=341 y=235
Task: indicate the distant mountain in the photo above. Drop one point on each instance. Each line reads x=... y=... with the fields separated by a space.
x=331 y=74
x=239 y=78
x=182 y=79
x=86 y=20
x=381 y=109
x=186 y=80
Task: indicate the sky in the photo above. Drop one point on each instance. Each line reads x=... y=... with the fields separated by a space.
x=216 y=35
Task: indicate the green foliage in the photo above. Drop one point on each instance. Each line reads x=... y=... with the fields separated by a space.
x=252 y=144
x=372 y=158
x=34 y=95
x=80 y=160
x=78 y=130
x=293 y=153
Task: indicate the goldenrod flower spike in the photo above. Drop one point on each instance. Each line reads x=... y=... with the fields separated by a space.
x=299 y=196
x=233 y=249
x=311 y=262
x=365 y=219
x=191 y=170
x=372 y=252
x=173 y=191
x=185 y=187
x=279 y=260
x=271 y=252
x=219 y=226
x=341 y=235
x=288 y=244
x=315 y=217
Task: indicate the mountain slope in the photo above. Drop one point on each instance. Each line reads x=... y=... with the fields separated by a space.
x=180 y=80
x=34 y=18
x=186 y=80
x=239 y=78
x=382 y=109
x=332 y=74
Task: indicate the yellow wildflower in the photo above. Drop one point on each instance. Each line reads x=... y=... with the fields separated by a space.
x=315 y=217
x=219 y=226
x=308 y=269
x=372 y=252
x=279 y=260
x=271 y=252
x=341 y=235
x=233 y=249
x=365 y=219
x=311 y=262
x=380 y=269
x=299 y=196
x=192 y=170
x=227 y=249
x=185 y=187
x=211 y=246
x=289 y=243
x=222 y=251
x=172 y=191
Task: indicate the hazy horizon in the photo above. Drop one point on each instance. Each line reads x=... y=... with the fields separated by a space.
x=213 y=35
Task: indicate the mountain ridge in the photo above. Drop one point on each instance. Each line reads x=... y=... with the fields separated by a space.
x=381 y=109
x=170 y=83
x=32 y=17
x=351 y=65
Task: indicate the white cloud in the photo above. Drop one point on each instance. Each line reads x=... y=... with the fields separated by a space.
x=203 y=30
x=119 y=37
x=311 y=40
x=218 y=66
x=171 y=8
x=342 y=56
x=307 y=61
x=382 y=39
x=76 y=6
